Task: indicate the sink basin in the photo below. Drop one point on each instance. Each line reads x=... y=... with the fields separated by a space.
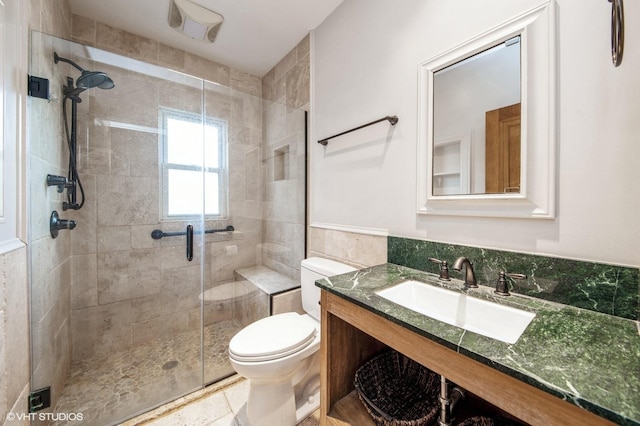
x=490 y=319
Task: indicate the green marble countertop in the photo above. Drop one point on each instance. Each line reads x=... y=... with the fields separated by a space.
x=587 y=358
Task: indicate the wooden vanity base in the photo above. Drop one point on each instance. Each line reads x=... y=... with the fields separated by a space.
x=351 y=335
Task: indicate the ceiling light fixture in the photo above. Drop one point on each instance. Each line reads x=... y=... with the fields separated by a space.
x=194 y=20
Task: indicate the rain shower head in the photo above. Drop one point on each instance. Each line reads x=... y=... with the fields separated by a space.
x=88 y=79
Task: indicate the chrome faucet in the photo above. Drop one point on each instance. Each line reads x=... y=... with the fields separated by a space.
x=469 y=276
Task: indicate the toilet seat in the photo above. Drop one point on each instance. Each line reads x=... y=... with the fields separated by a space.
x=272 y=338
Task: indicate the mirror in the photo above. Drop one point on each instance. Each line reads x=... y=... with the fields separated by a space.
x=476 y=123
x=486 y=139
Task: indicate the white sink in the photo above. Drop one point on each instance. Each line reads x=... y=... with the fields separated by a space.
x=470 y=313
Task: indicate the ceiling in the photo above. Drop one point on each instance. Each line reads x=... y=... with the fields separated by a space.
x=253 y=38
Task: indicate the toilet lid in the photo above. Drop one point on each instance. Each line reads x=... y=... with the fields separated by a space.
x=272 y=337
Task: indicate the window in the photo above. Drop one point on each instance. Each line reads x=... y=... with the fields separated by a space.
x=194 y=169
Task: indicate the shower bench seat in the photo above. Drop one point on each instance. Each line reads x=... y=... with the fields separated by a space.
x=282 y=291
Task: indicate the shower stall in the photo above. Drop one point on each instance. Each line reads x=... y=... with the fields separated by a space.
x=163 y=187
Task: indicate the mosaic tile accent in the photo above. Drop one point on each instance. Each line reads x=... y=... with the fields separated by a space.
x=609 y=289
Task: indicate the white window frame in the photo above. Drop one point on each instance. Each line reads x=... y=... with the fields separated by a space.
x=221 y=170
x=13 y=111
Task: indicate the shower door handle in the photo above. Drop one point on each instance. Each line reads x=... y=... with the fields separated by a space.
x=189 y=243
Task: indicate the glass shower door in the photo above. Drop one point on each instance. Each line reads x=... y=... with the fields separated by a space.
x=116 y=311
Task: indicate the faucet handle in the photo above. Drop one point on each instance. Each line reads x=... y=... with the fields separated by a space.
x=444 y=268
x=502 y=286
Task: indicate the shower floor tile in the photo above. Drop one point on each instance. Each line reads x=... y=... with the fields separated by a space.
x=109 y=388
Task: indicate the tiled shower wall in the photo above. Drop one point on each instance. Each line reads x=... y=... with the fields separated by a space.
x=285 y=92
x=126 y=287
x=99 y=287
x=50 y=309
x=81 y=288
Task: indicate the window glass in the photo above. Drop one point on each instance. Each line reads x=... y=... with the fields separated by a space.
x=194 y=166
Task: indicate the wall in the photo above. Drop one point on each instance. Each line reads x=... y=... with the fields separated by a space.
x=83 y=305
x=358 y=249
x=286 y=94
x=43 y=15
x=14 y=335
x=15 y=369
x=606 y=288
x=285 y=91
x=50 y=278
x=79 y=306
x=365 y=59
x=14 y=331
x=126 y=288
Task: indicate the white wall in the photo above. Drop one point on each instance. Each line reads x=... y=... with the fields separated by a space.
x=364 y=65
x=14 y=301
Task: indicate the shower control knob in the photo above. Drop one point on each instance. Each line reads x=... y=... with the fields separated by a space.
x=56 y=224
x=60 y=181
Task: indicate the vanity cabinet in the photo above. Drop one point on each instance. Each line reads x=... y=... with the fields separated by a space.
x=351 y=335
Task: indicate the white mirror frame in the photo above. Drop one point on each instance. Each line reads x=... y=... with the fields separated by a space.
x=536 y=198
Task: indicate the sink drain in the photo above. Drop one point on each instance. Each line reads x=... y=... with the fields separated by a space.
x=169 y=365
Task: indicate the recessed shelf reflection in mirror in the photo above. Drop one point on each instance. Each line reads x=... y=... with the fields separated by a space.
x=489 y=319
x=452 y=165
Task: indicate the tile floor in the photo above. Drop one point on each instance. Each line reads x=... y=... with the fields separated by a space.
x=222 y=404
x=114 y=386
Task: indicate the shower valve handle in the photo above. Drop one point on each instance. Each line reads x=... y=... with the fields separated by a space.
x=56 y=224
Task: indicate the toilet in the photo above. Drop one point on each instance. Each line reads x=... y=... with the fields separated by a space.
x=279 y=355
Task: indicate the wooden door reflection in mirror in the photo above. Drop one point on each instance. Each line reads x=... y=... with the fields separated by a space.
x=502 y=155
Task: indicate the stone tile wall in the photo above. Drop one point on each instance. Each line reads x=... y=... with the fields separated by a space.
x=126 y=287
x=610 y=289
x=102 y=36
x=285 y=99
x=353 y=248
x=107 y=285
x=50 y=280
x=14 y=336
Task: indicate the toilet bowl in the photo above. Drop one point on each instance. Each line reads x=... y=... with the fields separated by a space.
x=279 y=355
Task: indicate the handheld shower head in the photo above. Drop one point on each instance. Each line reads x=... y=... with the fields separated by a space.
x=86 y=80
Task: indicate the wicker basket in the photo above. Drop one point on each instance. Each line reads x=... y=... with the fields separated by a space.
x=397 y=391
x=486 y=421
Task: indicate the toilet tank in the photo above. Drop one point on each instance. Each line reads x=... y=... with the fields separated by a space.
x=312 y=269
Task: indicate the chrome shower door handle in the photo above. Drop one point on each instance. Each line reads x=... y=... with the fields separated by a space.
x=189 y=243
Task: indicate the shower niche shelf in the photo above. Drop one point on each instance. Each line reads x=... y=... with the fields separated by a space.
x=281 y=163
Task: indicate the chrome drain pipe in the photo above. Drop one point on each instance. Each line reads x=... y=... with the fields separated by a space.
x=445 y=412
x=457 y=395
x=448 y=402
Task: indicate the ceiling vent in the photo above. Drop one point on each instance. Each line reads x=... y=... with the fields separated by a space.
x=194 y=20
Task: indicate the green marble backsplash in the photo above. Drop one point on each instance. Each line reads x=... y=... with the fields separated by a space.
x=609 y=289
